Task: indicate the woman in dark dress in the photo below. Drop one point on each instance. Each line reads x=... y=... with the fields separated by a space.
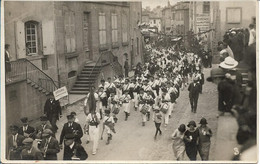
x=191 y=137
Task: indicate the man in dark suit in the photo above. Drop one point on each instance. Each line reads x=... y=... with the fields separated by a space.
x=44 y=125
x=71 y=127
x=49 y=145
x=15 y=144
x=194 y=90
x=52 y=109
x=26 y=130
x=73 y=150
x=126 y=67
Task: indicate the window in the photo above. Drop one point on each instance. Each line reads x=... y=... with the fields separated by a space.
x=206 y=7
x=154 y=21
x=44 y=64
x=102 y=29
x=114 y=28
x=173 y=16
x=69 y=31
x=86 y=31
x=124 y=28
x=31 y=33
x=234 y=15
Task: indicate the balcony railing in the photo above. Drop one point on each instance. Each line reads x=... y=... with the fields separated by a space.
x=23 y=69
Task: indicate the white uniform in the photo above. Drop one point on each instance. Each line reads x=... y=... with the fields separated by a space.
x=108 y=119
x=165 y=105
x=93 y=130
x=125 y=99
x=135 y=101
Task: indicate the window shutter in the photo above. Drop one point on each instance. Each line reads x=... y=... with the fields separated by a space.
x=20 y=39
x=48 y=37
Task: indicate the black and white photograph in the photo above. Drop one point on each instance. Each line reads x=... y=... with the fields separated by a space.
x=129 y=81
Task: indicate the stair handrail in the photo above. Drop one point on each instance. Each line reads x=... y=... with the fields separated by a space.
x=112 y=56
x=95 y=67
x=43 y=73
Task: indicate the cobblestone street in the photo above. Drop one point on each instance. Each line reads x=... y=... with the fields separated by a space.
x=135 y=142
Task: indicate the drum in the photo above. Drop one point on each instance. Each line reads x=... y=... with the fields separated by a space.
x=164 y=108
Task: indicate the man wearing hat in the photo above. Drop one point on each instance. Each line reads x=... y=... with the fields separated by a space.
x=229 y=66
x=44 y=125
x=205 y=134
x=73 y=150
x=194 y=90
x=71 y=127
x=15 y=144
x=52 y=109
x=30 y=152
x=26 y=130
x=49 y=145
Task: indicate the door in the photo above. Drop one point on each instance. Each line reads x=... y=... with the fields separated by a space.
x=86 y=35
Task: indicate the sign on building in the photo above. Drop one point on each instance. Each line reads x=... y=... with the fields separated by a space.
x=60 y=93
x=202 y=22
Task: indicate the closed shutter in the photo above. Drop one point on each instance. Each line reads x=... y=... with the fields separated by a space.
x=20 y=40
x=48 y=37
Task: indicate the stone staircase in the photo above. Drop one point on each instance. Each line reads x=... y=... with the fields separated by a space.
x=86 y=78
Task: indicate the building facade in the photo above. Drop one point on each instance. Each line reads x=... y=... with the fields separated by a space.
x=167 y=21
x=180 y=15
x=155 y=22
x=59 y=38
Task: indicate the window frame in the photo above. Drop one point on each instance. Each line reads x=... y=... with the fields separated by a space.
x=206 y=4
x=102 y=30
x=114 y=28
x=36 y=35
x=71 y=32
x=232 y=8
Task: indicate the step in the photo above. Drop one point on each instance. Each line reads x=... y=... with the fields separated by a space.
x=91 y=69
x=89 y=79
x=78 y=92
x=81 y=85
x=79 y=88
x=84 y=78
x=85 y=82
x=89 y=66
x=87 y=75
x=89 y=72
x=40 y=88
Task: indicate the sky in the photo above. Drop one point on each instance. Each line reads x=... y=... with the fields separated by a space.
x=155 y=3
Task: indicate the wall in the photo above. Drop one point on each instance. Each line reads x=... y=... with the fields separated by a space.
x=42 y=12
x=94 y=8
x=248 y=11
x=22 y=100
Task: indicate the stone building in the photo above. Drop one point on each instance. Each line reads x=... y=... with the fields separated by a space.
x=62 y=43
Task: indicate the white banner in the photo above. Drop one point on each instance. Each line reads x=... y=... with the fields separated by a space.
x=60 y=93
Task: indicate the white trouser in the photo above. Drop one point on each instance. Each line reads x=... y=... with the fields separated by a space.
x=126 y=107
x=135 y=100
x=94 y=136
x=165 y=117
x=143 y=116
x=170 y=108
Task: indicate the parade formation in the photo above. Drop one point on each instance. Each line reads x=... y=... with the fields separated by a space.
x=149 y=94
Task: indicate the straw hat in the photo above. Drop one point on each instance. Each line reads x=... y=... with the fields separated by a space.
x=228 y=63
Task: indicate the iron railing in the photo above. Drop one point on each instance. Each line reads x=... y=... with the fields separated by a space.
x=116 y=66
x=24 y=69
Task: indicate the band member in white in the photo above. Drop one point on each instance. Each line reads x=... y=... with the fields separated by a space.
x=125 y=99
x=102 y=101
x=135 y=90
x=114 y=105
x=119 y=84
x=164 y=101
x=143 y=107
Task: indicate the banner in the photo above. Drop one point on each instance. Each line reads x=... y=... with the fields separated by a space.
x=60 y=93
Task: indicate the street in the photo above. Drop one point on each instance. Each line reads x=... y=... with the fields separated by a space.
x=132 y=141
